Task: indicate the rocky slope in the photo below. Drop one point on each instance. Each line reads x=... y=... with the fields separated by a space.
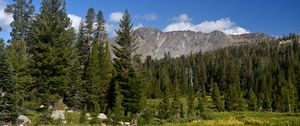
x=153 y=42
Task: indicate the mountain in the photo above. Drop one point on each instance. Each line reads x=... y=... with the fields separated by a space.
x=155 y=43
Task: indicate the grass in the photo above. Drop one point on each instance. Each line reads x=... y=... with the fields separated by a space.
x=244 y=118
x=210 y=118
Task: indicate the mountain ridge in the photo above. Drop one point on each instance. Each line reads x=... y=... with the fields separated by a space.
x=155 y=43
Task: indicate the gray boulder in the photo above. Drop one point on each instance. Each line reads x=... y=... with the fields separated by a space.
x=23 y=120
x=58 y=114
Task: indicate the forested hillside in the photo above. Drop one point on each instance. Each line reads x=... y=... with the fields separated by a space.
x=46 y=66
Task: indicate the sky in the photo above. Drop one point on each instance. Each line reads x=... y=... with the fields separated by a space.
x=273 y=17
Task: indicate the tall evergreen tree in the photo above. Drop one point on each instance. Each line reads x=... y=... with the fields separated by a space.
x=86 y=38
x=126 y=74
x=165 y=103
x=217 y=98
x=234 y=98
x=176 y=105
x=7 y=90
x=22 y=11
x=50 y=39
x=104 y=57
x=252 y=100
x=75 y=91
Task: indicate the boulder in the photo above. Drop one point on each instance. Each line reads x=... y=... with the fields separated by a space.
x=102 y=116
x=58 y=114
x=126 y=123
x=42 y=106
x=64 y=122
x=23 y=120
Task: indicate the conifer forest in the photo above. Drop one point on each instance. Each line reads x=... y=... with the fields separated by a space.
x=51 y=74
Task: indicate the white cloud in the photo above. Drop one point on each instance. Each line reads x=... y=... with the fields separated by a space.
x=183 y=23
x=147 y=17
x=5 y=19
x=115 y=16
x=75 y=20
x=182 y=18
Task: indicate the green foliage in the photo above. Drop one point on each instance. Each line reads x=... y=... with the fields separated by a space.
x=22 y=11
x=252 y=100
x=176 y=104
x=50 y=53
x=7 y=90
x=83 y=117
x=126 y=73
x=165 y=103
x=234 y=98
x=217 y=98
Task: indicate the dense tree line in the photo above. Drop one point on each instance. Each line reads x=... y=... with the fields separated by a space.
x=259 y=77
x=46 y=61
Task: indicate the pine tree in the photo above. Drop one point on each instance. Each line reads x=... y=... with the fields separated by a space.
x=165 y=103
x=217 y=98
x=252 y=100
x=7 y=89
x=93 y=79
x=104 y=57
x=190 y=102
x=50 y=38
x=85 y=39
x=202 y=104
x=75 y=92
x=176 y=105
x=126 y=74
x=234 y=98
x=22 y=11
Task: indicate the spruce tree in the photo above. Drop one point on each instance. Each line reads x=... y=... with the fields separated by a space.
x=50 y=38
x=7 y=90
x=75 y=91
x=22 y=11
x=85 y=39
x=252 y=100
x=93 y=79
x=217 y=98
x=104 y=57
x=234 y=98
x=127 y=78
x=165 y=103
x=176 y=105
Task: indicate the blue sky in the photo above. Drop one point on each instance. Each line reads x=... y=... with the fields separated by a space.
x=274 y=17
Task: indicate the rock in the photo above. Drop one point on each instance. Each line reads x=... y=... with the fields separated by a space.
x=153 y=42
x=126 y=123
x=120 y=122
x=64 y=122
x=88 y=114
x=50 y=107
x=102 y=116
x=70 y=111
x=89 y=118
x=103 y=124
x=23 y=121
x=42 y=106
x=58 y=114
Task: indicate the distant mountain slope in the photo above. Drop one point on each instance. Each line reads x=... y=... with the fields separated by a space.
x=155 y=43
